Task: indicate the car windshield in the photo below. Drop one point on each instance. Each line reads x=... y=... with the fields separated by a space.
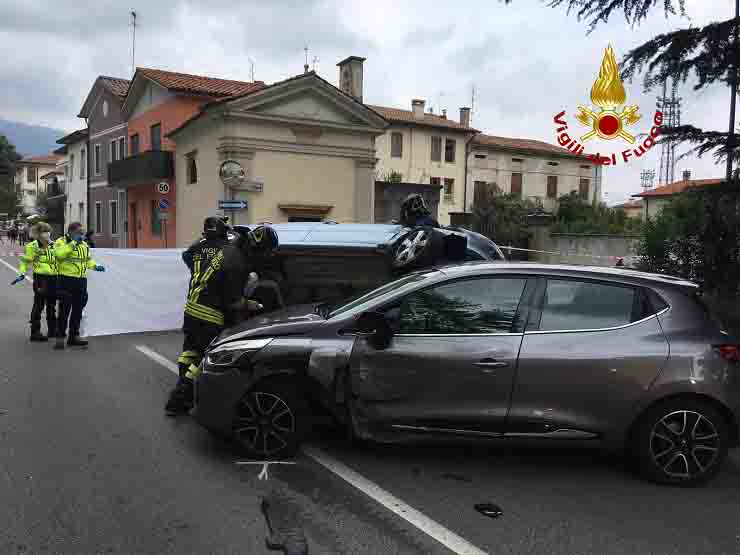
x=335 y=309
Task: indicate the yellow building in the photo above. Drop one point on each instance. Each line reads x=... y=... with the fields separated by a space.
x=307 y=149
x=426 y=148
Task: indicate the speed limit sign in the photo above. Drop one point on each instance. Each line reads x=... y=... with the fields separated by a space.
x=163 y=188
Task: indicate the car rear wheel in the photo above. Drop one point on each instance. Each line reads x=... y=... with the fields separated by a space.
x=270 y=421
x=420 y=247
x=681 y=442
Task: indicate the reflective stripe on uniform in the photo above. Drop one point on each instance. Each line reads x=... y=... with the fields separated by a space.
x=189 y=357
x=203 y=312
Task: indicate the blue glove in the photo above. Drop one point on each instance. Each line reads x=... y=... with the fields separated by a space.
x=19 y=279
x=99 y=268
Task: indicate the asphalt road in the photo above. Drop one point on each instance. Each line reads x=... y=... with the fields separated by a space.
x=89 y=464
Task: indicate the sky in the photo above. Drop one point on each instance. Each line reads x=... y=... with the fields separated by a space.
x=526 y=61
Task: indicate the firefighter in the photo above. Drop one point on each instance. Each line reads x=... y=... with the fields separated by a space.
x=414 y=212
x=39 y=254
x=216 y=301
x=214 y=238
x=73 y=261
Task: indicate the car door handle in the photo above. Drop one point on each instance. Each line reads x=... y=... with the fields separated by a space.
x=491 y=363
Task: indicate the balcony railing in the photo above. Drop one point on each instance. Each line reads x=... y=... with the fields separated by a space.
x=142 y=168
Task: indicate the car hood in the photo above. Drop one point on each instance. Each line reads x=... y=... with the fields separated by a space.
x=294 y=320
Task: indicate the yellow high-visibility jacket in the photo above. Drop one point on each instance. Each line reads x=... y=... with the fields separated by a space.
x=73 y=258
x=40 y=257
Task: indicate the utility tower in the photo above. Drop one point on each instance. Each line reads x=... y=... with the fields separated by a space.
x=647 y=177
x=671 y=108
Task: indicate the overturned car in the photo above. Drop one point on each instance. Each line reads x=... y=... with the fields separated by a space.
x=328 y=262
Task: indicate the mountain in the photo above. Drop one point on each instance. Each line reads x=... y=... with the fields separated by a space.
x=31 y=140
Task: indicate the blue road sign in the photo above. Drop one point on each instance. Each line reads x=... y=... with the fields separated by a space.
x=164 y=204
x=232 y=204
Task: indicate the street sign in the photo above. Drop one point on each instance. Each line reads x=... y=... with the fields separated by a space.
x=163 y=216
x=232 y=204
x=163 y=188
x=164 y=204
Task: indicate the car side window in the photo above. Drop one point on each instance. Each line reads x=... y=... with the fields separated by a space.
x=473 y=306
x=582 y=305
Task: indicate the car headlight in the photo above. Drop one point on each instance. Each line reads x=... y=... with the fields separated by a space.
x=229 y=354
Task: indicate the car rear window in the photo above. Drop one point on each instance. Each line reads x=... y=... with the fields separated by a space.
x=581 y=305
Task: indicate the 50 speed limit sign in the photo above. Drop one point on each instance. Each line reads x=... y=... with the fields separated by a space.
x=163 y=188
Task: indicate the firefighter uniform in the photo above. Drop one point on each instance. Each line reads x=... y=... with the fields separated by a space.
x=215 y=301
x=41 y=257
x=73 y=261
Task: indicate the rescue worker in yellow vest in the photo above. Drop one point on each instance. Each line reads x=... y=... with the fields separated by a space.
x=73 y=262
x=216 y=301
x=39 y=254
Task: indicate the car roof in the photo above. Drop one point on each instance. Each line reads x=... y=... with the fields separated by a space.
x=334 y=234
x=570 y=270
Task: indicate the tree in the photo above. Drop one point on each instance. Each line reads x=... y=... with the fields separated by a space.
x=575 y=215
x=8 y=157
x=502 y=216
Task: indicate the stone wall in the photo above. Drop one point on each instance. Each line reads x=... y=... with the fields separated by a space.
x=591 y=250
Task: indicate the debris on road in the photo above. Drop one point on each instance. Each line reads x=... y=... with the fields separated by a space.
x=282 y=536
x=489 y=509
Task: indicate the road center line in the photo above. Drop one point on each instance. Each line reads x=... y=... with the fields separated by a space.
x=156 y=357
x=16 y=270
x=427 y=525
x=430 y=527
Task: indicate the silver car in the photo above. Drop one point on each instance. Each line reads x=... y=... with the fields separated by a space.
x=494 y=352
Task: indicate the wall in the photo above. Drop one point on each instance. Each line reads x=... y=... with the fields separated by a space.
x=416 y=163
x=171 y=113
x=579 y=249
x=103 y=129
x=140 y=231
x=103 y=237
x=498 y=167
x=76 y=184
x=653 y=205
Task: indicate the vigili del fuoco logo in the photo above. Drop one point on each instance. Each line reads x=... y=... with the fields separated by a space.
x=610 y=119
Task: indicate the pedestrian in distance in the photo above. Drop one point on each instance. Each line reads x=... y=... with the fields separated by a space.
x=89 y=239
x=73 y=261
x=216 y=301
x=39 y=254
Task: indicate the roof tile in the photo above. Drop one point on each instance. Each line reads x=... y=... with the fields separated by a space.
x=44 y=159
x=678 y=187
x=407 y=116
x=533 y=145
x=198 y=84
x=116 y=85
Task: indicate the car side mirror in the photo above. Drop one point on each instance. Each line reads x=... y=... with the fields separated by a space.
x=375 y=328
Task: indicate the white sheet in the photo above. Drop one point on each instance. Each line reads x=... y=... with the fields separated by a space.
x=141 y=290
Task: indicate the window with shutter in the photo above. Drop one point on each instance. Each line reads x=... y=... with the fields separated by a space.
x=396 y=145
x=552 y=186
x=516 y=184
x=436 y=149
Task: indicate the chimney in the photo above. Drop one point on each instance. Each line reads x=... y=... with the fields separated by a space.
x=687 y=175
x=417 y=106
x=444 y=113
x=350 y=76
x=465 y=116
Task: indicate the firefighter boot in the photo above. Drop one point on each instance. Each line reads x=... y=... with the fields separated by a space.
x=181 y=398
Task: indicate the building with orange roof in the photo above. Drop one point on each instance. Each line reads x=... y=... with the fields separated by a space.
x=28 y=180
x=655 y=199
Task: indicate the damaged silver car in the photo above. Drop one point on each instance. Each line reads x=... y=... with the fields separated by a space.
x=490 y=352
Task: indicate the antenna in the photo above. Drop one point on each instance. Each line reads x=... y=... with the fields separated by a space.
x=671 y=108
x=646 y=179
x=305 y=66
x=133 y=42
x=251 y=69
x=472 y=105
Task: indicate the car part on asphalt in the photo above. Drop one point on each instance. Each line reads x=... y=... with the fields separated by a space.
x=489 y=509
x=282 y=536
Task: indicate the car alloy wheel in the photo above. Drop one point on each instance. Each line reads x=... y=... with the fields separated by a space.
x=684 y=444
x=264 y=424
x=411 y=247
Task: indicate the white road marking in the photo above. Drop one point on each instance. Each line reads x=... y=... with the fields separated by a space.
x=16 y=270
x=416 y=518
x=156 y=357
x=264 y=475
x=430 y=527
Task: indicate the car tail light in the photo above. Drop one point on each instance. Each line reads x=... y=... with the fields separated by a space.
x=731 y=353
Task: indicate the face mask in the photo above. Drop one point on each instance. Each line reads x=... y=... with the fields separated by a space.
x=76 y=236
x=46 y=236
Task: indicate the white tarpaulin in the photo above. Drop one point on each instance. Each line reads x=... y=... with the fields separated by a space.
x=140 y=290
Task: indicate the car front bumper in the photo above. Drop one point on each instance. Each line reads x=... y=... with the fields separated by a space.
x=216 y=397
